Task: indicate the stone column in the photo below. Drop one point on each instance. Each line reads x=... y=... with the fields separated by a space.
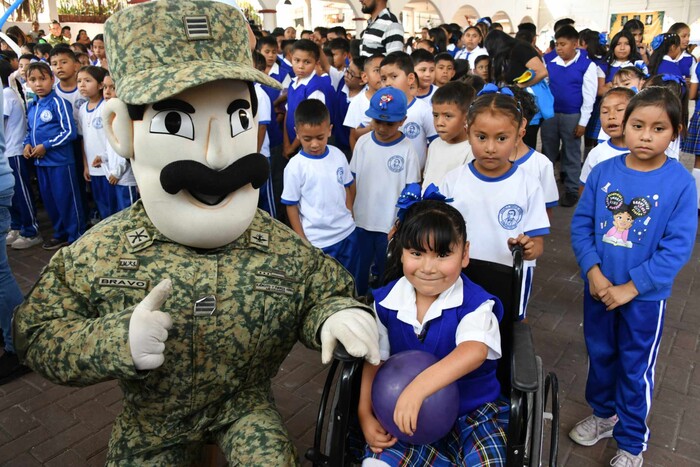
x=269 y=19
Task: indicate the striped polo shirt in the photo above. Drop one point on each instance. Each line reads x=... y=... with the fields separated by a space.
x=382 y=36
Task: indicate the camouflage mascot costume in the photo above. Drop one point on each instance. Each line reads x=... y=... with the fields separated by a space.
x=194 y=263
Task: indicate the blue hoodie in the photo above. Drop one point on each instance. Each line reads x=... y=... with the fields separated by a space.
x=50 y=122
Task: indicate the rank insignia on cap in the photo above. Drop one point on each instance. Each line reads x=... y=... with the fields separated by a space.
x=197 y=28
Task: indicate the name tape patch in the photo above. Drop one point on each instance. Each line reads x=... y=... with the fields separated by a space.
x=122 y=282
x=274 y=288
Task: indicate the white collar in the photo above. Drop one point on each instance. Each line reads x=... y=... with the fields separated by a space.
x=402 y=298
x=274 y=69
x=560 y=61
x=298 y=82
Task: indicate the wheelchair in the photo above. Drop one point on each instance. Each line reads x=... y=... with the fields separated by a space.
x=520 y=374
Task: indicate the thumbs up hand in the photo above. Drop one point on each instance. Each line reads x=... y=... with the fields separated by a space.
x=148 y=328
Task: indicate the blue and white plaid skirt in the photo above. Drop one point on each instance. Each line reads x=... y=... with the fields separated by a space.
x=477 y=439
x=691 y=143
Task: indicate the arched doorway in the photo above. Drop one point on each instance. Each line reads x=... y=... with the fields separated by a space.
x=465 y=16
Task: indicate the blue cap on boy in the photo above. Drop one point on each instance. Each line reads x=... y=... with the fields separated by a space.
x=388 y=105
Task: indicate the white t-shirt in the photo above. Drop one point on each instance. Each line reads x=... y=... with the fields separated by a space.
x=356 y=117
x=264 y=116
x=674 y=148
x=15 y=122
x=604 y=151
x=74 y=97
x=382 y=171
x=119 y=167
x=481 y=325
x=90 y=125
x=540 y=167
x=317 y=185
x=444 y=157
x=428 y=97
x=496 y=209
x=419 y=128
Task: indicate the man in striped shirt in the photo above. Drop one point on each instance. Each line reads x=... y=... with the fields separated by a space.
x=384 y=33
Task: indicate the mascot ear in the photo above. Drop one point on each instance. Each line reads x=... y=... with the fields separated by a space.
x=120 y=131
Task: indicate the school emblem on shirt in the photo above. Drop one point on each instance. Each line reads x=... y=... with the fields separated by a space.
x=46 y=116
x=412 y=130
x=79 y=103
x=510 y=216
x=395 y=163
x=97 y=123
x=340 y=175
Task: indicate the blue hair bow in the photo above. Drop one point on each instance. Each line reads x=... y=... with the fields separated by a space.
x=412 y=194
x=674 y=78
x=641 y=67
x=485 y=21
x=657 y=41
x=491 y=88
x=603 y=38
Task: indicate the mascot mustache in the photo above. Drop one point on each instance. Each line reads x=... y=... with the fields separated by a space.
x=211 y=186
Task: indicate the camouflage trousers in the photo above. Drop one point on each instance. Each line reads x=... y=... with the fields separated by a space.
x=257 y=439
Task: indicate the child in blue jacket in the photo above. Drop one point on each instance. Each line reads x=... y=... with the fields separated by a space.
x=51 y=131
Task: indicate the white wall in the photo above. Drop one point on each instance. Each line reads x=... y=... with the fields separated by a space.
x=92 y=28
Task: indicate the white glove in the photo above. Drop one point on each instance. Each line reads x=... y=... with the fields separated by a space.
x=356 y=329
x=148 y=328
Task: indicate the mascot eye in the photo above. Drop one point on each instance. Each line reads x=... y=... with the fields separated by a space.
x=173 y=122
x=241 y=121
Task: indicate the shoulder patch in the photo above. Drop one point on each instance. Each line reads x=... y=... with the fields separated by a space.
x=138 y=238
x=259 y=238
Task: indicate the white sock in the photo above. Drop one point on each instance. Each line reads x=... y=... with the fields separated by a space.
x=696 y=175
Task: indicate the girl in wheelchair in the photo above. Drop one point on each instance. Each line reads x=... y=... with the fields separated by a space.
x=429 y=304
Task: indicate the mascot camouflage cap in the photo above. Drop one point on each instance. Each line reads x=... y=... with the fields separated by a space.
x=158 y=49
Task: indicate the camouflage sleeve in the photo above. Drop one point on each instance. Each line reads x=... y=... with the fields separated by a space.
x=60 y=334
x=329 y=289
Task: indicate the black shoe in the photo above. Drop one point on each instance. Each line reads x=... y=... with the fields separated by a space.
x=569 y=199
x=10 y=368
x=54 y=244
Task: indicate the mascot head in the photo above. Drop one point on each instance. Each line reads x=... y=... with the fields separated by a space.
x=185 y=116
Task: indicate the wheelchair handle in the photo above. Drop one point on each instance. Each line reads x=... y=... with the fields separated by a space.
x=341 y=354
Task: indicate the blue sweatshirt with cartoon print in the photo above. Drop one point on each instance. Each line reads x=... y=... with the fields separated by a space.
x=637 y=226
x=50 y=122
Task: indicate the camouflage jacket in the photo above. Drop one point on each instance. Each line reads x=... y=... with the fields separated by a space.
x=271 y=289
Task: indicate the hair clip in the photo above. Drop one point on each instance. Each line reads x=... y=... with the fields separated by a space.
x=491 y=88
x=412 y=195
x=603 y=38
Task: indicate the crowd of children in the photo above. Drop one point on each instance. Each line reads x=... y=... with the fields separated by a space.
x=459 y=113
x=56 y=103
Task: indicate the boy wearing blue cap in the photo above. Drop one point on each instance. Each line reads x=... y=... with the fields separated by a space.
x=383 y=163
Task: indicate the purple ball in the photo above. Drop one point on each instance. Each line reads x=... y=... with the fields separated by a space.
x=439 y=411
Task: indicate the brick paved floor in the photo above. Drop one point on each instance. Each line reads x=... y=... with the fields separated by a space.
x=45 y=424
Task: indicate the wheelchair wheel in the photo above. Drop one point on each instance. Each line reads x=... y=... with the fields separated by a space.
x=535 y=420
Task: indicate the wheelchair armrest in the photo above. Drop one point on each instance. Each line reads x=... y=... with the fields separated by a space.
x=341 y=354
x=523 y=364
